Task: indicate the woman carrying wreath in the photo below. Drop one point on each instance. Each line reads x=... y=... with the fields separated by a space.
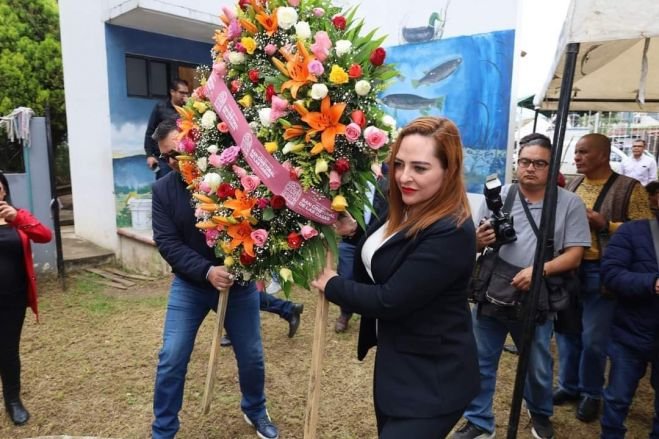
x=411 y=274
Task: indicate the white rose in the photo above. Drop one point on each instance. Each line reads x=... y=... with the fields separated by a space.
x=318 y=91
x=286 y=17
x=213 y=181
x=213 y=149
x=202 y=164
x=388 y=121
x=302 y=30
x=342 y=47
x=264 y=116
x=362 y=87
x=208 y=120
x=236 y=57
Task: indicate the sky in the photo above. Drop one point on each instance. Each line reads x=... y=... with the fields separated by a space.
x=539 y=28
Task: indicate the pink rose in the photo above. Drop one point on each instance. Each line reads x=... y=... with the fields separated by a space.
x=205 y=187
x=308 y=232
x=278 y=108
x=240 y=172
x=211 y=236
x=238 y=47
x=229 y=155
x=294 y=3
x=262 y=203
x=316 y=67
x=353 y=131
x=270 y=49
x=321 y=46
x=214 y=160
x=318 y=12
x=250 y=182
x=187 y=145
x=259 y=236
x=334 y=180
x=375 y=137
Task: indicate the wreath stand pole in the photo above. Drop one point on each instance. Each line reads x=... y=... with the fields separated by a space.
x=222 y=302
x=317 y=357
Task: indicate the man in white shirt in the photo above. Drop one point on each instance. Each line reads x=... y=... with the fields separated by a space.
x=639 y=166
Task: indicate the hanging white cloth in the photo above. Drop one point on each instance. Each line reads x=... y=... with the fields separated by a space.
x=17 y=124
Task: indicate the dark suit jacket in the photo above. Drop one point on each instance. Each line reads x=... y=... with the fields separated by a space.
x=181 y=244
x=426 y=362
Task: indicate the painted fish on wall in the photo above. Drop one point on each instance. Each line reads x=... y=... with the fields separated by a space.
x=438 y=73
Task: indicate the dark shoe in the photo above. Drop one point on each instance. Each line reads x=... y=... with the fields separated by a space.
x=17 y=412
x=342 y=322
x=470 y=431
x=265 y=429
x=225 y=341
x=542 y=427
x=294 y=320
x=562 y=396
x=588 y=410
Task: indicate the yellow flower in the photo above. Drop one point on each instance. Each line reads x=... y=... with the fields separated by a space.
x=246 y=101
x=200 y=107
x=338 y=75
x=339 y=203
x=271 y=147
x=229 y=261
x=225 y=247
x=321 y=166
x=286 y=275
x=249 y=44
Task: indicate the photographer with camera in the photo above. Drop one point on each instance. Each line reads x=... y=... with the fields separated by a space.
x=497 y=313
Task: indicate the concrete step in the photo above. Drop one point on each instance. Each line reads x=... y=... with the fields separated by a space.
x=80 y=253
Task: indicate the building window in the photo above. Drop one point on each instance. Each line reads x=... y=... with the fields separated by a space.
x=150 y=77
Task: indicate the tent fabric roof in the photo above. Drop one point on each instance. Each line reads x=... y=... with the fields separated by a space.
x=610 y=60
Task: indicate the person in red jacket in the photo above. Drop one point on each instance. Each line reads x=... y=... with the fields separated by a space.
x=17 y=291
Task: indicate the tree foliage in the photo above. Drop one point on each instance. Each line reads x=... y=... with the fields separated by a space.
x=31 y=60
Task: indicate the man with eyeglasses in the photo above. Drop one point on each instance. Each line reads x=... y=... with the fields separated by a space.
x=179 y=90
x=198 y=275
x=611 y=199
x=493 y=320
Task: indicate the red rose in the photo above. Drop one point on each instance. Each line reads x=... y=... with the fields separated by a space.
x=355 y=71
x=377 y=56
x=225 y=190
x=246 y=259
x=269 y=93
x=294 y=240
x=293 y=175
x=277 y=202
x=235 y=86
x=194 y=135
x=244 y=4
x=339 y=22
x=358 y=117
x=342 y=165
x=254 y=76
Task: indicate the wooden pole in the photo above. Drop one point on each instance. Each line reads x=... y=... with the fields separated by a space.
x=317 y=356
x=222 y=302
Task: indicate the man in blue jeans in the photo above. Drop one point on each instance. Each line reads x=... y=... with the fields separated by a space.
x=198 y=275
x=631 y=272
x=492 y=320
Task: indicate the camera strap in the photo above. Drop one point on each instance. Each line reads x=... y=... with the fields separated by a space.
x=529 y=217
x=510 y=198
x=604 y=191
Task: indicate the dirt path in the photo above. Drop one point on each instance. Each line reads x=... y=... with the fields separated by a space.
x=88 y=370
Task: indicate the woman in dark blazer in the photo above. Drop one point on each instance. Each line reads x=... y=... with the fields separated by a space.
x=411 y=274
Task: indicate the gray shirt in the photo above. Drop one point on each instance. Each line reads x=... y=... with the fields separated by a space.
x=571 y=229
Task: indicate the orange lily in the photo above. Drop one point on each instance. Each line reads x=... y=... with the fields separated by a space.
x=248 y=26
x=294 y=131
x=326 y=122
x=221 y=41
x=241 y=205
x=189 y=171
x=241 y=234
x=269 y=22
x=187 y=120
x=296 y=68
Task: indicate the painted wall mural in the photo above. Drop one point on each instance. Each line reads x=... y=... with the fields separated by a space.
x=467 y=79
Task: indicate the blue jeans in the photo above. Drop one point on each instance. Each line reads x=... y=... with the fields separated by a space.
x=187 y=307
x=345 y=267
x=490 y=336
x=582 y=358
x=627 y=368
x=275 y=305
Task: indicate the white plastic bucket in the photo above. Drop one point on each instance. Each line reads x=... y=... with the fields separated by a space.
x=140 y=213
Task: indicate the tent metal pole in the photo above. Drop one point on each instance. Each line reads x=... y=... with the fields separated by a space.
x=535 y=119
x=545 y=248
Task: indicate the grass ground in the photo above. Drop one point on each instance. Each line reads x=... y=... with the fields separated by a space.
x=88 y=370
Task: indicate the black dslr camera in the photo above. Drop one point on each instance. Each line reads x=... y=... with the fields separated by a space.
x=501 y=221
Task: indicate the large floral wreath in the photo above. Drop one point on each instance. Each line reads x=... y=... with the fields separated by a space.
x=306 y=81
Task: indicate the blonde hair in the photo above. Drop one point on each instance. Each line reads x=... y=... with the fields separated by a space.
x=451 y=198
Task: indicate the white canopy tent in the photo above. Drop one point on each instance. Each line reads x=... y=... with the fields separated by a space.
x=618 y=61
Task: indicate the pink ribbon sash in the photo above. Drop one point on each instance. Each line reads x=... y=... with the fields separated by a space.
x=310 y=204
